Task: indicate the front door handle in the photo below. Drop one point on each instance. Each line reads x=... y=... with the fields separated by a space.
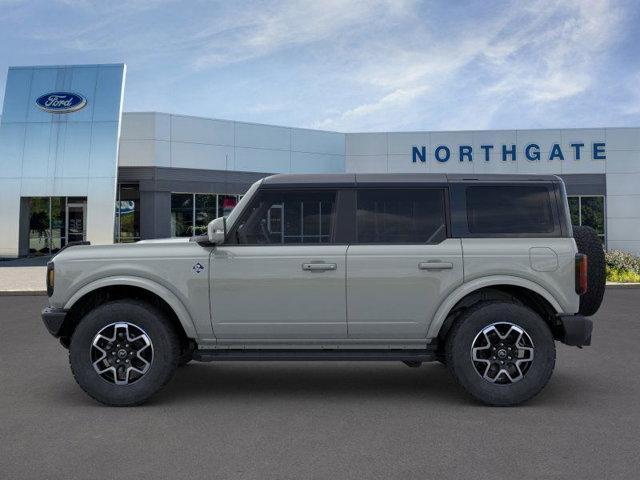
x=319 y=267
x=435 y=265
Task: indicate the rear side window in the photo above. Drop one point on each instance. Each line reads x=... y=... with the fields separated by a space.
x=509 y=209
x=401 y=216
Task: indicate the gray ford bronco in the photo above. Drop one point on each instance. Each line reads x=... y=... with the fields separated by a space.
x=481 y=273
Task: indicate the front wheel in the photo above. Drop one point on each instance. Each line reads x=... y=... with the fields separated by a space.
x=123 y=352
x=502 y=353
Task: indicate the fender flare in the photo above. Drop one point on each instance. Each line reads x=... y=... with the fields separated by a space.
x=164 y=293
x=466 y=288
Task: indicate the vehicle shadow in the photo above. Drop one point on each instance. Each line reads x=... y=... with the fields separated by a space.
x=313 y=380
x=344 y=381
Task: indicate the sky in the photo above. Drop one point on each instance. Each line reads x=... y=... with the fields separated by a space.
x=350 y=65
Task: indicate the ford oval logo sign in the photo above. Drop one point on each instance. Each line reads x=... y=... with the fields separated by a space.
x=61 y=102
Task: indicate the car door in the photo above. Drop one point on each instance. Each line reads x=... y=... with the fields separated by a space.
x=402 y=263
x=280 y=275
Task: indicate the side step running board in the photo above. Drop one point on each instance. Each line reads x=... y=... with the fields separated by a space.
x=315 y=355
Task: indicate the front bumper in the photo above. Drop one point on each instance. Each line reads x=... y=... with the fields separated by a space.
x=575 y=330
x=54 y=319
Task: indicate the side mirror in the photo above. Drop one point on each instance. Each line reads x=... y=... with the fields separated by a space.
x=217 y=230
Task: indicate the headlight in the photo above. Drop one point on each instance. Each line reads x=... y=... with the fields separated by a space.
x=51 y=278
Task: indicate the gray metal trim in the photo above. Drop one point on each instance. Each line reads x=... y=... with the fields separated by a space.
x=585 y=183
x=168 y=179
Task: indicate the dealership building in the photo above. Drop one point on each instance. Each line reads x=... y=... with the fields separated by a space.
x=74 y=166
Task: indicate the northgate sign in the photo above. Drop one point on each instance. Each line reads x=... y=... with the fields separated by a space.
x=531 y=152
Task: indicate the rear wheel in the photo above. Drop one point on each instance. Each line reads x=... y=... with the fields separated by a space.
x=123 y=352
x=502 y=353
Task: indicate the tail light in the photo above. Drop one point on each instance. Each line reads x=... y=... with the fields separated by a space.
x=581 y=273
x=51 y=278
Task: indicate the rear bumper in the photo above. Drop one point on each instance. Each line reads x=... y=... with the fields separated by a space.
x=575 y=330
x=54 y=319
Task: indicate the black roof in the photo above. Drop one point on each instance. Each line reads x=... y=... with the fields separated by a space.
x=371 y=179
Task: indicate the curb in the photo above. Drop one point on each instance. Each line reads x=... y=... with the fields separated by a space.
x=623 y=285
x=9 y=293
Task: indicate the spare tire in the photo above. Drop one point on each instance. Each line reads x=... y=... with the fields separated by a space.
x=590 y=244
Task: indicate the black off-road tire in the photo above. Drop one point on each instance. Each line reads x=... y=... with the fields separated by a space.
x=165 y=344
x=458 y=349
x=589 y=243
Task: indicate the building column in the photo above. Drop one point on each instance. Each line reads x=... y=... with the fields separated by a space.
x=155 y=213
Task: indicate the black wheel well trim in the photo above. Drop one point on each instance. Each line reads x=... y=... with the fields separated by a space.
x=110 y=293
x=508 y=293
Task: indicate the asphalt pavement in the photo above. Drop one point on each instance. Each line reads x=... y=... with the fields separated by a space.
x=322 y=420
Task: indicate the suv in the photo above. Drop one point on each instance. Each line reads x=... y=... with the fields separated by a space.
x=482 y=274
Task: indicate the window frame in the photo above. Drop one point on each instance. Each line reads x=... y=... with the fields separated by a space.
x=444 y=191
x=460 y=224
x=335 y=237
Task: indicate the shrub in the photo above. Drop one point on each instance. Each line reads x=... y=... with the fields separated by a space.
x=622 y=276
x=622 y=261
x=622 y=266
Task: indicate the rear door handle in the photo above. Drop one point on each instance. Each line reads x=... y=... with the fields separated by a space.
x=435 y=265
x=319 y=267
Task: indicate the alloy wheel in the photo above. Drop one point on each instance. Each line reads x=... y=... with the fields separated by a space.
x=121 y=353
x=502 y=353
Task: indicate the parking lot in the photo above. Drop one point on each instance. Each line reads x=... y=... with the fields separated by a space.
x=322 y=420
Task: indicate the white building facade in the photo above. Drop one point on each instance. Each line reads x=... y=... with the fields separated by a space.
x=175 y=173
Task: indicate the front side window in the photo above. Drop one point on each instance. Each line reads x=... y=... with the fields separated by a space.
x=288 y=217
x=513 y=209
x=401 y=216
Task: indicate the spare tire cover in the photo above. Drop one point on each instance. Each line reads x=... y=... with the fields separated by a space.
x=590 y=244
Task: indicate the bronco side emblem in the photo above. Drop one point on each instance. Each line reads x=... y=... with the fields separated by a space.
x=198 y=267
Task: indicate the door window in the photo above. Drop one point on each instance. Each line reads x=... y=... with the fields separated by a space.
x=288 y=217
x=401 y=216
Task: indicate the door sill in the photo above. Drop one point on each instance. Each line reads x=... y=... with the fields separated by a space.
x=270 y=355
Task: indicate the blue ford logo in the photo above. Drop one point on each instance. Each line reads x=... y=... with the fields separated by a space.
x=61 y=102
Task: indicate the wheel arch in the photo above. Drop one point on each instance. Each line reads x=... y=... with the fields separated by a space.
x=112 y=288
x=525 y=291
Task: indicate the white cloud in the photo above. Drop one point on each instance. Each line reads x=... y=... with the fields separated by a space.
x=347 y=64
x=531 y=53
x=286 y=24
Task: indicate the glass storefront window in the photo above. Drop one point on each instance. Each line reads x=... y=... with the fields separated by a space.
x=58 y=224
x=574 y=209
x=226 y=203
x=192 y=212
x=181 y=214
x=204 y=213
x=39 y=226
x=127 y=227
x=589 y=211
x=54 y=222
